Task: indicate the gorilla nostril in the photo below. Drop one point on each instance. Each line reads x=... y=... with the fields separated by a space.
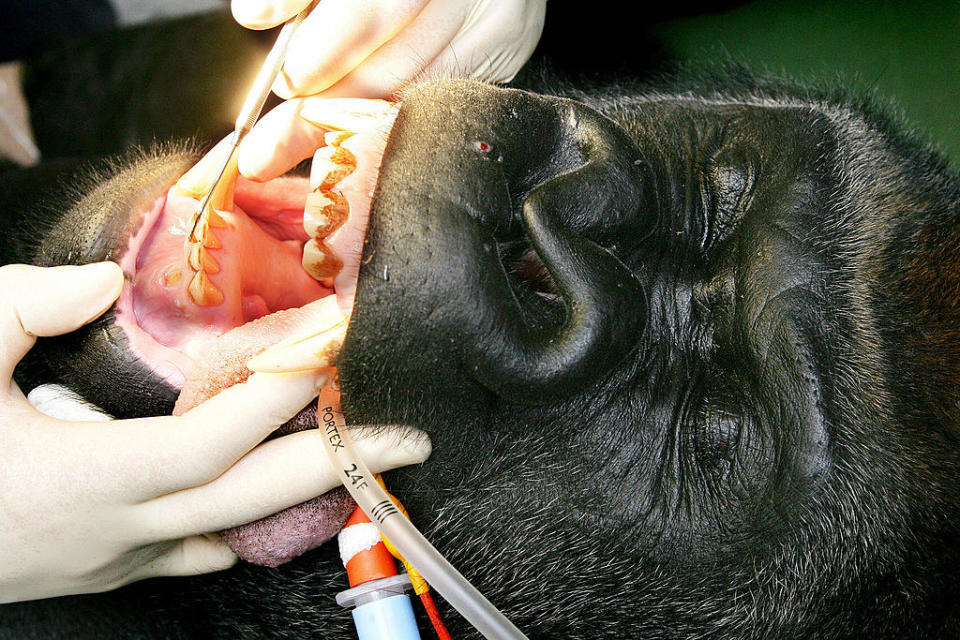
x=526 y=270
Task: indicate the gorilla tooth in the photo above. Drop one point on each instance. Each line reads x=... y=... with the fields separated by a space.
x=312 y=350
x=203 y=292
x=200 y=259
x=331 y=164
x=324 y=212
x=319 y=260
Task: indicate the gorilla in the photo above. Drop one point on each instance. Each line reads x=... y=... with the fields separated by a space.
x=688 y=353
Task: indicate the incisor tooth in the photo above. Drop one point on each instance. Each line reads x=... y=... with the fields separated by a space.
x=319 y=260
x=324 y=212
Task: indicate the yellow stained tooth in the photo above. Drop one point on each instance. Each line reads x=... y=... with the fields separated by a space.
x=215 y=220
x=201 y=260
x=203 y=234
x=319 y=260
x=324 y=212
x=222 y=196
x=330 y=166
x=196 y=182
x=203 y=292
x=314 y=351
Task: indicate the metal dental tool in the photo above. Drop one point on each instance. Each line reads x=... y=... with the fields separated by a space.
x=256 y=97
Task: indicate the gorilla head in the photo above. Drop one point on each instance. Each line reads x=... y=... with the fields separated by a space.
x=688 y=359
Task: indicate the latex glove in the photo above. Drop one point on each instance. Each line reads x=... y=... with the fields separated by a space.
x=88 y=506
x=372 y=48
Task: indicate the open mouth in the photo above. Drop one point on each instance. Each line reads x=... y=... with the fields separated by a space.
x=206 y=293
x=267 y=247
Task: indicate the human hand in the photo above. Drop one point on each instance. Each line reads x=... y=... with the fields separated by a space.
x=89 y=506
x=372 y=48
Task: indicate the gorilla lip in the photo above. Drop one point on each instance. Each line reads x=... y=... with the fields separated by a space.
x=264 y=254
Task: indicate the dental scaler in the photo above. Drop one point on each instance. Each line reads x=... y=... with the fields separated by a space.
x=381 y=608
x=253 y=104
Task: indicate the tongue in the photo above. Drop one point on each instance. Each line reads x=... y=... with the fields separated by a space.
x=282 y=536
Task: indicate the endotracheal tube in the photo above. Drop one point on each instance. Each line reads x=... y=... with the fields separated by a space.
x=441 y=575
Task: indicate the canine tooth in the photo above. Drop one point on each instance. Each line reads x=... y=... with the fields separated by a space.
x=315 y=351
x=349 y=114
x=203 y=292
x=324 y=212
x=201 y=260
x=197 y=181
x=319 y=260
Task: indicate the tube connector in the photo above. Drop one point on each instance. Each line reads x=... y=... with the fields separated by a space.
x=382 y=611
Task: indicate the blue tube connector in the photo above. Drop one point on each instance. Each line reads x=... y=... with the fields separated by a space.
x=382 y=610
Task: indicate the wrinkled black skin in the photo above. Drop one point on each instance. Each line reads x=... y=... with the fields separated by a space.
x=749 y=431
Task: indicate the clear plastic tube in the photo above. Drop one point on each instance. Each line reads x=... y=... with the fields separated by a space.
x=439 y=573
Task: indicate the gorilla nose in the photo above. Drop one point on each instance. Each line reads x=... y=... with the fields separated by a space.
x=605 y=312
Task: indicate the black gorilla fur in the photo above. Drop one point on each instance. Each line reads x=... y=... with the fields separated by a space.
x=771 y=453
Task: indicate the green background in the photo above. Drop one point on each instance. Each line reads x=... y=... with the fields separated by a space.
x=907 y=52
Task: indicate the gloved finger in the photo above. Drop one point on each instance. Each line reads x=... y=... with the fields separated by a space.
x=279 y=141
x=296 y=129
x=57 y=401
x=495 y=41
x=278 y=474
x=48 y=302
x=161 y=455
x=190 y=556
x=336 y=37
x=395 y=63
x=264 y=14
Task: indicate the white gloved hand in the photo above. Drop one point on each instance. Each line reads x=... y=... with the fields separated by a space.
x=372 y=48
x=88 y=506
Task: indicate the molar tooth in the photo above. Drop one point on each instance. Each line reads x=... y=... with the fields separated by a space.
x=324 y=212
x=203 y=292
x=319 y=260
x=350 y=114
x=331 y=165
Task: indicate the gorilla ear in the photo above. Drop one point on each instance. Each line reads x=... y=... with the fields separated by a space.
x=565 y=220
